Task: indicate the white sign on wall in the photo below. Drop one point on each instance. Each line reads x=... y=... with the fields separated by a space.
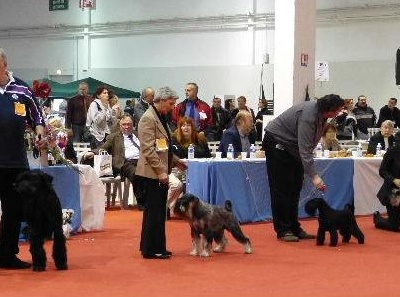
x=321 y=71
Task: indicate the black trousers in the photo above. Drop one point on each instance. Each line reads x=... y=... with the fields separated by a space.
x=12 y=212
x=153 y=240
x=285 y=177
x=392 y=222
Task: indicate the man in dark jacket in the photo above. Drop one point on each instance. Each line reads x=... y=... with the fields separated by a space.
x=221 y=118
x=146 y=99
x=389 y=193
x=365 y=117
x=77 y=108
x=240 y=134
x=389 y=112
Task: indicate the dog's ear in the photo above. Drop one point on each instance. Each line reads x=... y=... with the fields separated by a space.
x=228 y=205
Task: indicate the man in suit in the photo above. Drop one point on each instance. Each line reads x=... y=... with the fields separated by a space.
x=124 y=148
x=155 y=163
x=384 y=137
x=241 y=134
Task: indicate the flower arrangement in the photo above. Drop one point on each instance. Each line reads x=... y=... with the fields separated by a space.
x=56 y=135
x=56 y=141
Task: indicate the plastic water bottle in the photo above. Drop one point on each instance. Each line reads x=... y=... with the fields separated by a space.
x=378 y=150
x=191 y=151
x=318 y=151
x=252 y=151
x=359 y=150
x=229 y=154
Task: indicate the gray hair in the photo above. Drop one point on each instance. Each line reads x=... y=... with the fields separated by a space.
x=3 y=55
x=388 y=123
x=145 y=92
x=194 y=85
x=165 y=93
x=84 y=84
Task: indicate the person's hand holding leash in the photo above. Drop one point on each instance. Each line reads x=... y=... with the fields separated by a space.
x=319 y=183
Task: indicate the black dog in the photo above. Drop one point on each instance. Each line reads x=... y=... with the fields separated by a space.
x=210 y=221
x=43 y=214
x=332 y=221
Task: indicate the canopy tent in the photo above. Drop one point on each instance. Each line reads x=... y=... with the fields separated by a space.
x=69 y=90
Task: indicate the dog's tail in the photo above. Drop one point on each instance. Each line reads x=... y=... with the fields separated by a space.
x=314 y=204
x=228 y=205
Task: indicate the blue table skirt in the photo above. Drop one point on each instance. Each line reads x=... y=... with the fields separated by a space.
x=66 y=185
x=245 y=183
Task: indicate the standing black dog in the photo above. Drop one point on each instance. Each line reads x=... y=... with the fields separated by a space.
x=210 y=221
x=332 y=221
x=43 y=214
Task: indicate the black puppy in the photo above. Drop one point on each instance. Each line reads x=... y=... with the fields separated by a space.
x=332 y=221
x=43 y=214
x=210 y=221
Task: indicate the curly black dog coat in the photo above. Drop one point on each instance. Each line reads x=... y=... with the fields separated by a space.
x=43 y=214
x=332 y=221
x=210 y=221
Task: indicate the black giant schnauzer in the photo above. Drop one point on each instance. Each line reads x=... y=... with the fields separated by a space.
x=332 y=221
x=43 y=214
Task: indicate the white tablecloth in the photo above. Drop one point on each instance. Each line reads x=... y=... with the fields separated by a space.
x=366 y=183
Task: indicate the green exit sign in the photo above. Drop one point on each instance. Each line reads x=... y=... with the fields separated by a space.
x=58 y=5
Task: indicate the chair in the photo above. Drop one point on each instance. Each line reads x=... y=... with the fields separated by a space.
x=81 y=148
x=258 y=145
x=213 y=146
x=372 y=131
x=111 y=195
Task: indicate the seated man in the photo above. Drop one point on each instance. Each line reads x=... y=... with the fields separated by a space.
x=241 y=134
x=124 y=148
x=384 y=137
x=389 y=193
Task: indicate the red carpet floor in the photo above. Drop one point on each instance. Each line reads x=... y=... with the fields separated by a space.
x=108 y=263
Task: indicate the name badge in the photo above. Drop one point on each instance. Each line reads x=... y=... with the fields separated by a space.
x=202 y=115
x=161 y=144
x=20 y=109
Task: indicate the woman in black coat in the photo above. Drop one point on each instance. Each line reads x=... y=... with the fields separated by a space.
x=389 y=193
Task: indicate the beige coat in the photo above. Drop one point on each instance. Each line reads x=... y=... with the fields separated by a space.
x=152 y=162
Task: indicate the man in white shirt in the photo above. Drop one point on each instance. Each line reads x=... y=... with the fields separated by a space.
x=124 y=148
